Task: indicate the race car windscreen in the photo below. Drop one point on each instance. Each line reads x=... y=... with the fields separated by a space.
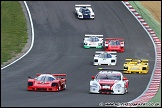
x=109 y=76
x=105 y=55
x=93 y=39
x=85 y=11
x=45 y=78
x=114 y=43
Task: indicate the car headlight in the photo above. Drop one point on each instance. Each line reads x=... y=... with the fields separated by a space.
x=125 y=67
x=95 y=60
x=85 y=43
x=118 y=86
x=94 y=85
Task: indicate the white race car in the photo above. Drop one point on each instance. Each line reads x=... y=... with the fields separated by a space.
x=105 y=57
x=93 y=41
x=109 y=82
x=84 y=11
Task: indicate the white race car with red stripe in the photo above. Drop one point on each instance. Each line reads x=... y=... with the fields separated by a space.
x=109 y=82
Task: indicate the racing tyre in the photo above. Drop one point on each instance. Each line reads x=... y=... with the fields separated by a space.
x=59 y=88
x=89 y=90
x=126 y=90
x=65 y=86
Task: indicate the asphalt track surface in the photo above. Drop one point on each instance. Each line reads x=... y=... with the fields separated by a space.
x=58 y=48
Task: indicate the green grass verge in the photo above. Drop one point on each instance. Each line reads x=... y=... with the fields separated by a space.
x=156 y=26
x=13 y=29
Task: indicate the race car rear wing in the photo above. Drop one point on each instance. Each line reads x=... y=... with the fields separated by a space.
x=131 y=59
x=82 y=5
x=108 y=39
x=128 y=59
x=57 y=75
x=60 y=75
x=112 y=69
x=144 y=60
x=97 y=53
x=135 y=59
x=89 y=35
x=38 y=74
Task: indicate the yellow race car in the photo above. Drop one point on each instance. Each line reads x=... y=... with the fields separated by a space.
x=136 y=65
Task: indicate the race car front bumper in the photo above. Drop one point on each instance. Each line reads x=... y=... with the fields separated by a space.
x=42 y=89
x=85 y=46
x=107 y=91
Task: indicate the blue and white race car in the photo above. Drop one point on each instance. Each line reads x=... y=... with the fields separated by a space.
x=84 y=11
x=105 y=58
x=95 y=41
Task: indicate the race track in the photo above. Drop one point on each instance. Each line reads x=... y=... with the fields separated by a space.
x=58 y=49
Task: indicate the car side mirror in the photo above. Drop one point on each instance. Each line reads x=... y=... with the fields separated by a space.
x=93 y=77
x=124 y=78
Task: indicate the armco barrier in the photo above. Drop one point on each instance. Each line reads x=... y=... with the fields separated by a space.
x=155 y=79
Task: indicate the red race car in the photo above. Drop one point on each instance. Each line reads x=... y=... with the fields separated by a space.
x=47 y=82
x=114 y=44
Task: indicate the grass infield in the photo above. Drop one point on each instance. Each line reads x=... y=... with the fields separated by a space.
x=13 y=30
